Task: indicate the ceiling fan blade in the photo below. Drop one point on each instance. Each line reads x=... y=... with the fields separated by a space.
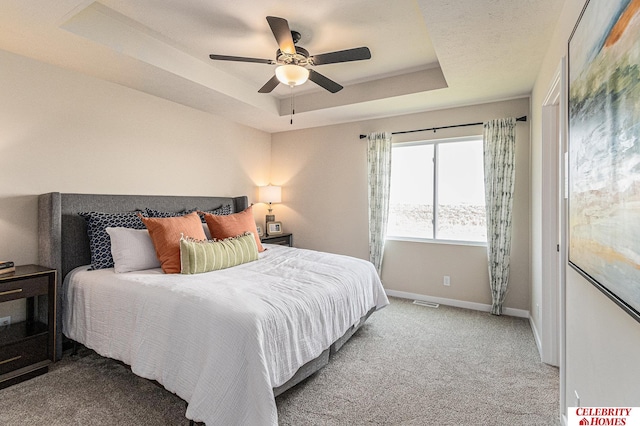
x=282 y=33
x=357 y=54
x=242 y=59
x=324 y=82
x=269 y=85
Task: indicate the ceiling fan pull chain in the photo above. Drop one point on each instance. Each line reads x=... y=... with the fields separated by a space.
x=292 y=107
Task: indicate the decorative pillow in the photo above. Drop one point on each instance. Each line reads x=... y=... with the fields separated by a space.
x=231 y=225
x=220 y=211
x=197 y=257
x=132 y=250
x=205 y=228
x=166 y=233
x=99 y=241
x=158 y=213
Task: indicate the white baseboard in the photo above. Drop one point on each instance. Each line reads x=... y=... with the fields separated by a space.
x=536 y=336
x=457 y=303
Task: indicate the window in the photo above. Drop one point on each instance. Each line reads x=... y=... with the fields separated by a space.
x=447 y=174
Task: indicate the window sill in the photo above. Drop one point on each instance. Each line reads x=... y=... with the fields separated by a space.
x=432 y=241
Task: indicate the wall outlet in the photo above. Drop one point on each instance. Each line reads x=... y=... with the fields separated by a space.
x=5 y=321
x=447 y=280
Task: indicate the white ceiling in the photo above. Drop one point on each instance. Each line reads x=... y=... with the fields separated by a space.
x=426 y=54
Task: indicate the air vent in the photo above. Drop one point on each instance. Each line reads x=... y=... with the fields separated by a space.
x=427 y=304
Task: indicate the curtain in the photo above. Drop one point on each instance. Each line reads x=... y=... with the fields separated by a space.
x=379 y=164
x=499 y=178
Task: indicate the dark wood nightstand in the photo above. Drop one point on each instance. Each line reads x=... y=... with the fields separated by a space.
x=28 y=347
x=281 y=239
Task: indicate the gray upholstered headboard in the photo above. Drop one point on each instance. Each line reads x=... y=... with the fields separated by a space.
x=63 y=243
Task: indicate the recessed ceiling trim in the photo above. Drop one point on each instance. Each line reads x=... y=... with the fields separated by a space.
x=102 y=25
x=385 y=88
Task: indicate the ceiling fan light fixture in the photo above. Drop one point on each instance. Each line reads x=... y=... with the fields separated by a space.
x=292 y=75
x=293 y=60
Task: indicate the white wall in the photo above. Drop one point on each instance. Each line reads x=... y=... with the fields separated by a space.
x=66 y=132
x=602 y=341
x=323 y=172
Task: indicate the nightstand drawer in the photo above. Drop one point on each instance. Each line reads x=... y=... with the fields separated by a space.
x=281 y=240
x=284 y=241
x=23 y=353
x=19 y=289
x=28 y=345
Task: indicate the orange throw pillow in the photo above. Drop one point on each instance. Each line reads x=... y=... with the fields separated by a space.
x=165 y=233
x=232 y=225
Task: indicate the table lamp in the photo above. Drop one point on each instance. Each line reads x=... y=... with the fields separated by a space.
x=270 y=194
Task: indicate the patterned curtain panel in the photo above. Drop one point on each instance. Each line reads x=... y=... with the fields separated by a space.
x=499 y=179
x=379 y=161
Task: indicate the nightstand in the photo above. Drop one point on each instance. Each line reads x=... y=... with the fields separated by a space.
x=27 y=347
x=281 y=239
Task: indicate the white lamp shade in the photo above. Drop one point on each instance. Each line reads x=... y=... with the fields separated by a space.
x=292 y=75
x=270 y=194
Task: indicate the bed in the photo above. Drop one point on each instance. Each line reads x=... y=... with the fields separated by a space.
x=228 y=341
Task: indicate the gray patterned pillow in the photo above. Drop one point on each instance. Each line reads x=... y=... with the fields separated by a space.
x=220 y=211
x=99 y=241
x=158 y=213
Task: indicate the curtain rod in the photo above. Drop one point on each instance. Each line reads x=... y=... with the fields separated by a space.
x=523 y=118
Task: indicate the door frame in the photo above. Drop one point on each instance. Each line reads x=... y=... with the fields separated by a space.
x=554 y=225
x=550 y=228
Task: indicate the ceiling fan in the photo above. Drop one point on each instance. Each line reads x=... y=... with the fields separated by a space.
x=294 y=61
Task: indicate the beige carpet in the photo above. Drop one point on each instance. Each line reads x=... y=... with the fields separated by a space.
x=409 y=365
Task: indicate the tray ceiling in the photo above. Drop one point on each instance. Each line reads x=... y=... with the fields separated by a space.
x=426 y=54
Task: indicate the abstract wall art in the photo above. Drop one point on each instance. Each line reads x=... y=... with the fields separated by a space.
x=604 y=149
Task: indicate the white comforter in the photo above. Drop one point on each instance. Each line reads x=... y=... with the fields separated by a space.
x=222 y=340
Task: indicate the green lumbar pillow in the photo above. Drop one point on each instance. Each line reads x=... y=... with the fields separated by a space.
x=205 y=256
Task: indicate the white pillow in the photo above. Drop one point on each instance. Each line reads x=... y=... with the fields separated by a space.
x=132 y=249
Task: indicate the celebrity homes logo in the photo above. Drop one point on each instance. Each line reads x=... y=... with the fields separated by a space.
x=604 y=416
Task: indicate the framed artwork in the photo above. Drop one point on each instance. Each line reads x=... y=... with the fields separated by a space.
x=260 y=231
x=604 y=149
x=274 y=228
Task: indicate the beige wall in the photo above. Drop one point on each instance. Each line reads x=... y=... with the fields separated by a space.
x=602 y=341
x=63 y=131
x=323 y=172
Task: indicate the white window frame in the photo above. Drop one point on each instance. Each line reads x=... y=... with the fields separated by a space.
x=434 y=223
